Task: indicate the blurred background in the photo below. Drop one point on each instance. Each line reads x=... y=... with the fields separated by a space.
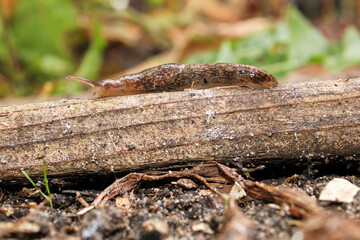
x=42 y=41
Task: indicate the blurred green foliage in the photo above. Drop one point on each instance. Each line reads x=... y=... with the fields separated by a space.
x=38 y=30
x=156 y=2
x=291 y=45
x=90 y=65
x=34 y=45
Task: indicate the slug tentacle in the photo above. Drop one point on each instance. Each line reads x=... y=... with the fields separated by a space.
x=84 y=80
x=177 y=77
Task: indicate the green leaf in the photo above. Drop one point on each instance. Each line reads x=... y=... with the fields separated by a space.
x=204 y=57
x=306 y=41
x=156 y=2
x=90 y=65
x=39 y=29
x=7 y=66
x=45 y=178
x=226 y=53
x=351 y=46
x=3 y=50
x=92 y=60
x=289 y=46
x=344 y=54
x=39 y=190
x=30 y=180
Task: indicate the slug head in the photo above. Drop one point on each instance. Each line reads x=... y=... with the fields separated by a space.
x=97 y=86
x=262 y=79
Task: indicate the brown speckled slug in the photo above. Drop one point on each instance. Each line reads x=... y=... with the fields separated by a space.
x=177 y=77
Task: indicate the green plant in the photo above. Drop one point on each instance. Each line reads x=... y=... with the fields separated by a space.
x=35 y=46
x=90 y=64
x=47 y=197
x=289 y=46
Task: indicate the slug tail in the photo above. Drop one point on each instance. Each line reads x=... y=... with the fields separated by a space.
x=84 y=80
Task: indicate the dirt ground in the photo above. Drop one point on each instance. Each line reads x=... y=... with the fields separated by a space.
x=159 y=210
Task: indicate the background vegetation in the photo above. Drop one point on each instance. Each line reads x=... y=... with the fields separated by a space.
x=42 y=41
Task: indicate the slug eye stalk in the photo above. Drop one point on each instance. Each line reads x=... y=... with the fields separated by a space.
x=84 y=80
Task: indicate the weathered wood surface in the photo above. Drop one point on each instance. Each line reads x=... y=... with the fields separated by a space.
x=292 y=121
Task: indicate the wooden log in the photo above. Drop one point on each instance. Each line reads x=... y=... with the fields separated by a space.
x=292 y=121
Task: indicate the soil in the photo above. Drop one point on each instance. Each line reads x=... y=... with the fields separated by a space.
x=160 y=210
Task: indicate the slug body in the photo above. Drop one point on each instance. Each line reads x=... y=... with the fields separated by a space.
x=177 y=77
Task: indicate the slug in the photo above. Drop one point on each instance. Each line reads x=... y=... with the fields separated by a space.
x=177 y=77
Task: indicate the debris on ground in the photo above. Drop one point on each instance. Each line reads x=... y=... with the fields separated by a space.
x=153 y=205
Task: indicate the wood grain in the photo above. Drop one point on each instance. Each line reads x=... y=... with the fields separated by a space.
x=291 y=121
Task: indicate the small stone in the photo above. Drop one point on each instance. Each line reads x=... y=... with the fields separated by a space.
x=201 y=227
x=237 y=192
x=187 y=183
x=122 y=202
x=339 y=190
x=7 y=210
x=131 y=147
x=151 y=225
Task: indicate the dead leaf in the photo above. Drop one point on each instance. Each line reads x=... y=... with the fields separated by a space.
x=236 y=224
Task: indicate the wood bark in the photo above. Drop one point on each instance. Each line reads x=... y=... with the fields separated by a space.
x=291 y=121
